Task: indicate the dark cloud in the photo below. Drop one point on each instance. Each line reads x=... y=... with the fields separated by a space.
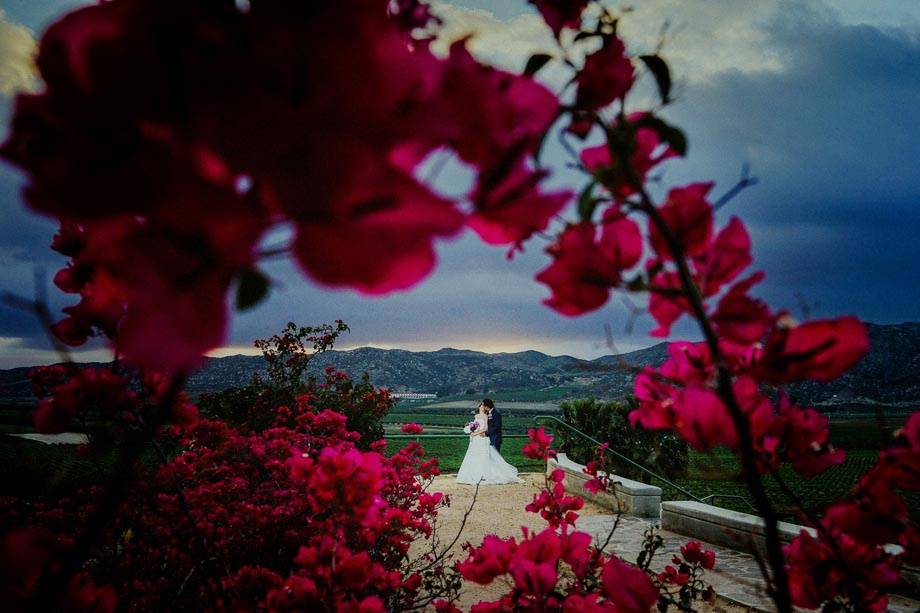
x=833 y=140
x=831 y=135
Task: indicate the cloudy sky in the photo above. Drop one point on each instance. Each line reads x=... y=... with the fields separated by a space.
x=818 y=97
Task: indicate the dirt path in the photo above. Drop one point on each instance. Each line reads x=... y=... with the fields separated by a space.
x=499 y=510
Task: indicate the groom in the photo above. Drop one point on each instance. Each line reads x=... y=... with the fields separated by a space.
x=495 y=423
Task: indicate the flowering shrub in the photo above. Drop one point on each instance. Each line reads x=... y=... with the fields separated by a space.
x=412 y=428
x=290 y=387
x=248 y=115
x=287 y=518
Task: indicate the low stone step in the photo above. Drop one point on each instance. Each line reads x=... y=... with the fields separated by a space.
x=629 y=497
x=735 y=529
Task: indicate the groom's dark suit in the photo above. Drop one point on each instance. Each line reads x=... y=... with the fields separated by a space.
x=495 y=429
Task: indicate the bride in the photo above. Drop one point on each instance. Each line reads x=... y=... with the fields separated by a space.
x=482 y=462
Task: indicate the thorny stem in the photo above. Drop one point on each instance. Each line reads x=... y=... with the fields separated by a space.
x=779 y=582
x=466 y=516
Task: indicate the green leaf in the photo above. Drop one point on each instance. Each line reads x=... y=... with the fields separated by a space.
x=587 y=202
x=666 y=132
x=538 y=151
x=536 y=62
x=659 y=69
x=251 y=289
x=584 y=35
x=676 y=138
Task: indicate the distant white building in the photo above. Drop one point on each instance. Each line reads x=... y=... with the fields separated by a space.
x=412 y=396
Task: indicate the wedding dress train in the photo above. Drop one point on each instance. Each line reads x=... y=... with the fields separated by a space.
x=484 y=464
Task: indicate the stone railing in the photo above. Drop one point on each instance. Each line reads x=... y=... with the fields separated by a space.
x=739 y=531
x=629 y=497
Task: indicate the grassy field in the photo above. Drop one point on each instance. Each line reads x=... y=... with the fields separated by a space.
x=29 y=467
x=449 y=417
x=450 y=451
x=714 y=473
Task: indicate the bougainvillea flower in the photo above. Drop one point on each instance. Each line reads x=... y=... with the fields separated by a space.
x=333 y=155
x=489 y=560
x=665 y=303
x=607 y=75
x=349 y=477
x=585 y=268
x=875 y=515
x=412 y=428
x=739 y=318
x=647 y=151
x=411 y=14
x=512 y=210
x=728 y=256
x=703 y=419
x=490 y=117
x=899 y=465
x=672 y=575
x=694 y=410
x=589 y=603
x=694 y=553
x=539 y=446
x=87 y=390
x=628 y=587
x=534 y=566
x=656 y=401
x=578 y=552
x=689 y=363
x=554 y=506
x=173 y=283
x=805 y=439
x=688 y=216
x=714 y=263
x=559 y=14
x=378 y=231
x=859 y=573
x=821 y=350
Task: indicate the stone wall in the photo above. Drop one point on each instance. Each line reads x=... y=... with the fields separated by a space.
x=629 y=497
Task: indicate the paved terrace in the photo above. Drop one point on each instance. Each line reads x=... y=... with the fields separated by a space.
x=499 y=509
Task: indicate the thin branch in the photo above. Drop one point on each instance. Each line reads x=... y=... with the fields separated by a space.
x=743 y=183
x=779 y=582
x=40 y=309
x=463 y=521
x=275 y=251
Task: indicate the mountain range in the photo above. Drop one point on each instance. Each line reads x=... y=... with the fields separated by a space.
x=889 y=374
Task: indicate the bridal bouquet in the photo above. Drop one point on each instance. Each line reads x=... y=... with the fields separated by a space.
x=471 y=427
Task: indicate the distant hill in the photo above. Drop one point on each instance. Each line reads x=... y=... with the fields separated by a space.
x=889 y=374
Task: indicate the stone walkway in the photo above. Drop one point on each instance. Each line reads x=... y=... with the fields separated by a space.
x=736 y=576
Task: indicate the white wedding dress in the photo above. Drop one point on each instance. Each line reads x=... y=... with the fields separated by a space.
x=483 y=463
